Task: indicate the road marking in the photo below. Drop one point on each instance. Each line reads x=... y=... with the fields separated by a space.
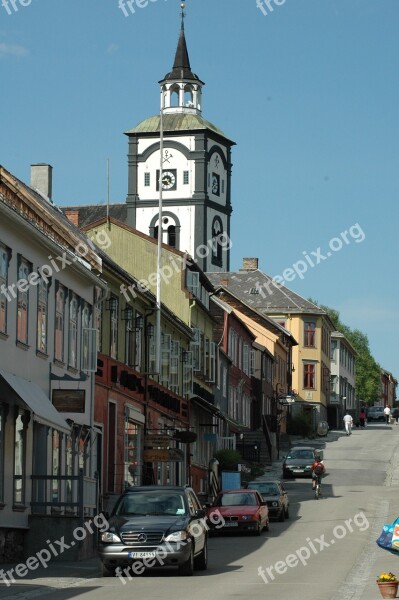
x=353 y=587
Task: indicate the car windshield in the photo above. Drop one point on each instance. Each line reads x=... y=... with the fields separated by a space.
x=268 y=489
x=303 y=454
x=147 y=503
x=239 y=499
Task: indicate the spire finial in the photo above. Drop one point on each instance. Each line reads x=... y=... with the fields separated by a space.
x=183 y=14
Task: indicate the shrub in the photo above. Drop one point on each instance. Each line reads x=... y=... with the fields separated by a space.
x=228 y=459
x=299 y=425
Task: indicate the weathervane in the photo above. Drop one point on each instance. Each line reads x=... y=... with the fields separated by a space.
x=183 y=14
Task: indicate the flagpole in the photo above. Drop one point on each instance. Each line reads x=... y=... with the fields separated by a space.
x=159 y=253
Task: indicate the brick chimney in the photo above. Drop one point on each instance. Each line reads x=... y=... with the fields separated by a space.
x=249 y=264
x=41 y=178
x=73 y=216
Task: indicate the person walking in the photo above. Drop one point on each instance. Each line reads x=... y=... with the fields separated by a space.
x=387 y=413
x=395 y=415
x=362 y=418
x=348 y=421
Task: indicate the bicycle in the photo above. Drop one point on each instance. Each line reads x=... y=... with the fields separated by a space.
x=317 y=489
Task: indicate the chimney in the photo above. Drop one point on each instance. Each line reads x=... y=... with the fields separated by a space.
x=41 y=178
x=73 y=216
x=249 y=264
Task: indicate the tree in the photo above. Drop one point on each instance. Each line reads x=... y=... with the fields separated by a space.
x=368 y=371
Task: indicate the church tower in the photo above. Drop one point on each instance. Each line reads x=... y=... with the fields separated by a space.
x=196 y=171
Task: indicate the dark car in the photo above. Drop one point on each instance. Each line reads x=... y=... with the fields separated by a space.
x=299 y=460
x=155 y=526
x=275 y=495
x=376 y=413
x=239 y=510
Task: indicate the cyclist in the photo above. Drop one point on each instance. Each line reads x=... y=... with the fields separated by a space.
x=318 y=470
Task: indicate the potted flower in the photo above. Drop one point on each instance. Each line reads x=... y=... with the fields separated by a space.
x=388 y=585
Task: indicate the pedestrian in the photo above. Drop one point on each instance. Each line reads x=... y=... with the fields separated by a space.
x=395 y=415
x=387 y=413
x=348 y=424
x=362 y=418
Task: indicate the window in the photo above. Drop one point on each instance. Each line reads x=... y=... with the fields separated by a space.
x=174 y=366
x=59 y=322
x=132 y=453
x=19 y=457
x=88 y=350
x=165 y=359
x=334 y=345
x=73 y=331
x=195 y=346
x=98 y=296
x=129 y=337
x=147 y=179
x=24 y=269
x=212 y=362
x=4 y=260
x=187 y=373
x=42 y=312
x=309 y=376
x=309 y=334
x=245 y=366
x=192 y=282
x=113 y=328
x=138 y=345
x=217 y=233
x=56 y=455
x=185 y=178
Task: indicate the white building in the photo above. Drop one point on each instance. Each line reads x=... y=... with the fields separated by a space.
x=343 y=386
x=48 y=277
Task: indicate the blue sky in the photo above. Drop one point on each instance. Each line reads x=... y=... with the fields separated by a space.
x=309 y=92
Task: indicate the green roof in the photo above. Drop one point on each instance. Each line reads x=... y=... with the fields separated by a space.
x=175 y=122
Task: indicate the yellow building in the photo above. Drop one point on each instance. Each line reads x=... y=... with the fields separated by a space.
x=309 y=325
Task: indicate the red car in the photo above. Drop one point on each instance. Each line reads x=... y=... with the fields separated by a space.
x=239 y=510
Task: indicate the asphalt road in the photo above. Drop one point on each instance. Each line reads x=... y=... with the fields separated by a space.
x=325 y=551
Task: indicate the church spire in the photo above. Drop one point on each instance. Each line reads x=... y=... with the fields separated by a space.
x=182 y=87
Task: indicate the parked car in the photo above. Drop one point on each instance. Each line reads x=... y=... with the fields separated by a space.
x=240 y=510
x=299 y=460
x=155 y=526
x=376 y=413
x=275 y=495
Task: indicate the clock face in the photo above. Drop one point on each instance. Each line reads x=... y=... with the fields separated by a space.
x=168 y=179
x=215 y=184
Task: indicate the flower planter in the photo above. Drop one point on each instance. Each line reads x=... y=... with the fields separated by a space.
x=388 y=589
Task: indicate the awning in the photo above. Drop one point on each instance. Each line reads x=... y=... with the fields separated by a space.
x=205 y=404
x=36 y=400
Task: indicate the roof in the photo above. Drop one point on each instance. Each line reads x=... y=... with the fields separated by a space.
x=260 y=292
x=51 y=220
x=181 y=66
x=176 y=122
x=95 y=212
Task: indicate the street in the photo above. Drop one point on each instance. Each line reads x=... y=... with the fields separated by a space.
x=325 y=551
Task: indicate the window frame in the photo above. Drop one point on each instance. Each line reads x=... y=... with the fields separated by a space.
x=309 y=373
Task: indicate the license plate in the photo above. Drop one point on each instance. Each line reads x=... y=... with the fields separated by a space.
x=230 y=524
x=297 y=470
x=141 y=555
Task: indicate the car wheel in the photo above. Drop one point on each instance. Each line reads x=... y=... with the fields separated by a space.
x=187 y=568
x=106 y=572
x=258 y=529
x=281 y=516
x=201 y=561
